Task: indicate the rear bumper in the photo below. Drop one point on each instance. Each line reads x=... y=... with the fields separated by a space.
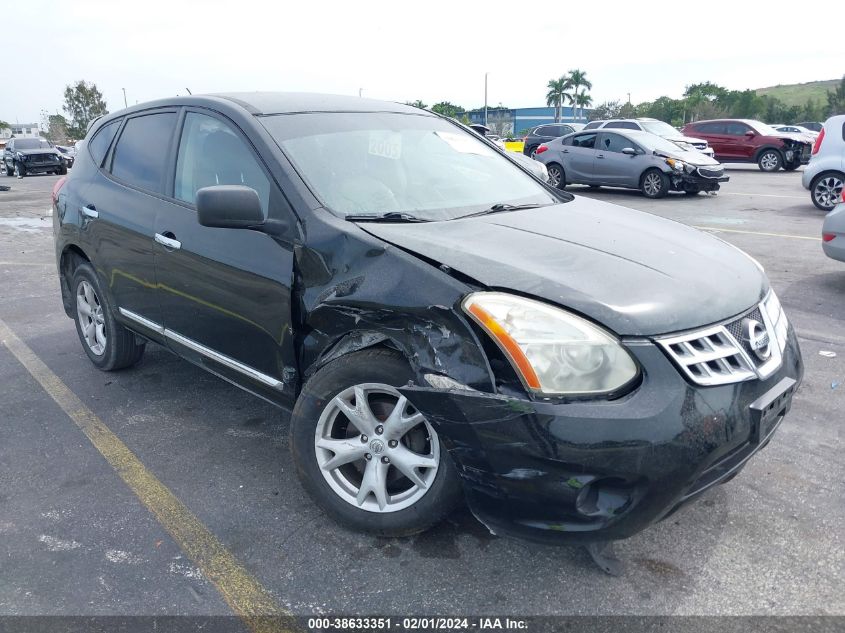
x=601 y=470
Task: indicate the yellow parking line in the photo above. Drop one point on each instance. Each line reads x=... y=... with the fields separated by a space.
x=243 y=593
x=794 y=237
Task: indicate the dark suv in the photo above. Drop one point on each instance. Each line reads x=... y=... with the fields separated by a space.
x=748 y=141
x=413 y=294
x=542 y=134
x=24 y=156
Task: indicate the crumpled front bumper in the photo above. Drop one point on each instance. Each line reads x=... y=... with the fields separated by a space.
x=586 y=471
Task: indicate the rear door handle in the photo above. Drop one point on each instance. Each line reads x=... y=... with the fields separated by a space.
x=600 y=156
x=89 y=211
x=168 y=242
x=564 y=151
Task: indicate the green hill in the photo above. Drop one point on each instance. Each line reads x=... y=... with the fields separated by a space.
x=797 y=94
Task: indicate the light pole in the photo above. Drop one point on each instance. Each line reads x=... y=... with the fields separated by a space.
x=125 y=105
x=485 y=98
x=360 y=92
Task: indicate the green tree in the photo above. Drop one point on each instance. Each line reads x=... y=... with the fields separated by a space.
x=447 y=109
x=84 y=103
x=836 y=99
x=697 y=95
x=57 y=128
x=583 y=101
x=4 y=125
x=606 y=110
x=417 y=104
x=578 y=80
x=557 y=94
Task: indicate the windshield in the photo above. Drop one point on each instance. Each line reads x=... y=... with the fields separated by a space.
x=660 y=128
x=377 y=163
x=31 y=143
x=658 y=144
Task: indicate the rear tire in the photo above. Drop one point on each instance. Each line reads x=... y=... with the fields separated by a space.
x=826 y=189
x=107 y=343
x=654 y=183
x=63 y=170
x=770 y=160
x=319 y=424
x=557 y=176
x=9 y=171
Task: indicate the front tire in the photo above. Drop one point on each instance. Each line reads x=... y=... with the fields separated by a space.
x=826 y=190
x=20 y=170
x=62 y=170
x=9 y=170
x=107 y=343
x=349 y=410
x=557 y=177
x=654 y=183
x=770 y=160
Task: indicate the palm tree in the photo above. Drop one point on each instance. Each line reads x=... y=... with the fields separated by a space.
x=583 y=101
x=578 y=79
x=557 y=94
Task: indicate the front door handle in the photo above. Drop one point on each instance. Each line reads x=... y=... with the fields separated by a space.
x=89 y=211
x=564 y=151
x=600 y=156
x=168 y=242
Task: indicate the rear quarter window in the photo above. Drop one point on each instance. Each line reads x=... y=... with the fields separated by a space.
x=99 y=144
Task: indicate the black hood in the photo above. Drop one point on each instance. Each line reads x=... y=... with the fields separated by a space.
x=636 y=273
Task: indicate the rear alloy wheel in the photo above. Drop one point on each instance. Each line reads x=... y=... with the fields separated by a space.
x=826 y=190
x=557 y=177
x=770 y=160
x=533 y=152
x=365 y=454
x=106 y=342
x=655 y=184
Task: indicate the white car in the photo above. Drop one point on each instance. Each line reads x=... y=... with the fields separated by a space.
x=797 y=129
x=660 y=128
x=824 y=176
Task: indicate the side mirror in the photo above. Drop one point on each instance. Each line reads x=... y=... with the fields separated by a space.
x=750 y=134
x=630 y=151
x=229 y=207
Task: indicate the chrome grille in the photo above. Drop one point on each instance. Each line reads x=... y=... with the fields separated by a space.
x=42 y=158
x=710 y=173
x=722 y=354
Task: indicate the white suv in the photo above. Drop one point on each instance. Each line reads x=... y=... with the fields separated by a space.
x=824 y=176
x=660 y=128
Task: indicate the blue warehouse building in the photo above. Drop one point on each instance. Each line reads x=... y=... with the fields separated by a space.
x=521 y=119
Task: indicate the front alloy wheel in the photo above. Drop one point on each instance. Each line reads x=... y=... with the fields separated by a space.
x=770 y=160
x=365 y=454
x=375 y=450
x=827 y=191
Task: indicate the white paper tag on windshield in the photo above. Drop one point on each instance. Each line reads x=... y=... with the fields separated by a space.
x=386 y=144
x=464 y=143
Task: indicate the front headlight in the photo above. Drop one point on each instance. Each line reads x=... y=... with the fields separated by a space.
x=553 y=351
x=777 y=317
x=674 y=163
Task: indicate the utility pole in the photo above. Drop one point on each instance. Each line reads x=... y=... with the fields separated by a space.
x=629 y=97
x=125 y=105
x=360 y=92
x=485 y=98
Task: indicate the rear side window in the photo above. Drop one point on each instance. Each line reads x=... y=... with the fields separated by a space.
x=584 y=140
x=211 y=153
x=562 y=130
x=710 y=128
x=592 y=125
x=545 y=130
x=99 y=144
x=140 y=156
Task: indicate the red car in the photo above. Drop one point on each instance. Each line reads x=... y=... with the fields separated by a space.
x=748 y=141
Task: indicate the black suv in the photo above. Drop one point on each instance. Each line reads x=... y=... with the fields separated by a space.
x=414 y=296
x=542 y=134
x=24 y=156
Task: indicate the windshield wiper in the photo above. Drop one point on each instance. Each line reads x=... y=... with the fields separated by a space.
x=392 y=216
x=501 y=208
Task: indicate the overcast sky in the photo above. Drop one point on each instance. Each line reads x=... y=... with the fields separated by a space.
x=432 y=50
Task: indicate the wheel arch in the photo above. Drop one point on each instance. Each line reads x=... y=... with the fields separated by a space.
x=71 y=256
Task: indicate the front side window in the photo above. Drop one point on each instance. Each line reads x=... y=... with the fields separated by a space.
x=736 y=129
x=615 y=143
x=211 y=153
x=375 y=163
x=141 y=151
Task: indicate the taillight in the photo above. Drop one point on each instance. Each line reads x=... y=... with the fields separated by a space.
x=828 y=237
x=818 y=144
x=59 y=184
x=541 y=149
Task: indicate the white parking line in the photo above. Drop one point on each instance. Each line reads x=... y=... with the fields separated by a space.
x=719 y=229
x=762 y=195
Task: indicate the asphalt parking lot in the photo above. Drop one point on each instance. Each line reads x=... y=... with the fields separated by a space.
x=76 y=540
